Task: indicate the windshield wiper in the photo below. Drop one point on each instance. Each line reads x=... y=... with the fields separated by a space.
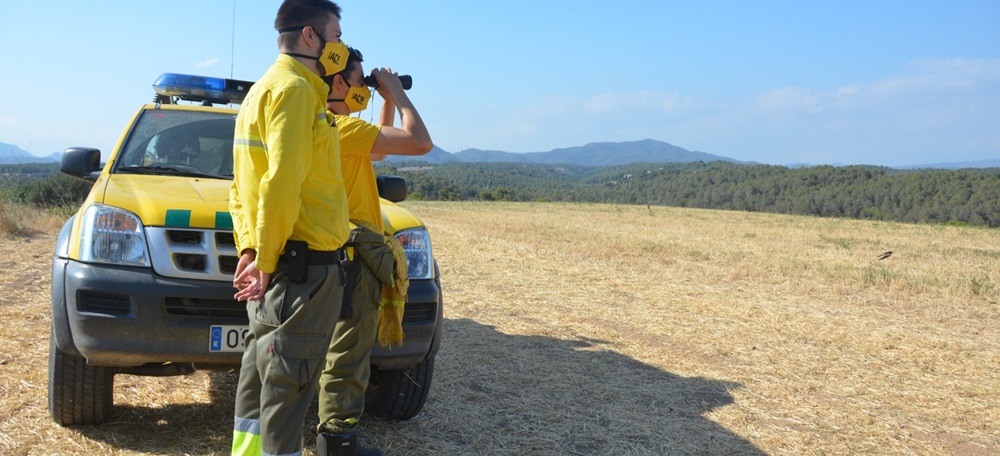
x=169 y=170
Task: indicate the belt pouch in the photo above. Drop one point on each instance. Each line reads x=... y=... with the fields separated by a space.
x=350 y=269
x=295 y=254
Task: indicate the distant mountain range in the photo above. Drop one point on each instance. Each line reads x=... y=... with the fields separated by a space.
x=995 y=163
x=593 y=154
x=13 y=155
x=620 y=153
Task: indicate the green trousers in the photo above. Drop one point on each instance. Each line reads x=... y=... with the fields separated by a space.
x=284 y=354
x=344 y=380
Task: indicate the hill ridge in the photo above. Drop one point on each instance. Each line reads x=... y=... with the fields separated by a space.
x=590 y=154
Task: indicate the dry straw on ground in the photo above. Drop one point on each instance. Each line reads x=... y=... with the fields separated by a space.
x=599 y=329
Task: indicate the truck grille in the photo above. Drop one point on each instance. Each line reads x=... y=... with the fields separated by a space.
x=414 y=313
x=424 y=312
x=104 y=303
x=229 y=308
x=192 y=253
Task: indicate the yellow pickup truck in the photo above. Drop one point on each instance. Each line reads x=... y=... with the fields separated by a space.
x=142 y=273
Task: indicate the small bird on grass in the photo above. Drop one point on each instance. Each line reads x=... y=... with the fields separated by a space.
x=885 y=255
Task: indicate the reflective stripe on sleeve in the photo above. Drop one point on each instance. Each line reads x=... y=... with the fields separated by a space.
x=249 y=143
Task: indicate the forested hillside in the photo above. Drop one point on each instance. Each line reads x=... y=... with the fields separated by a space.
x=966 y=196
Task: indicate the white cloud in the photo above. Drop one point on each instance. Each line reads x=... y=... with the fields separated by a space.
x=608 y=102
x=930 y=109
x=647 y=100
x=790 y=99
x=929 y=90
x=207 y=63
x=9 y=121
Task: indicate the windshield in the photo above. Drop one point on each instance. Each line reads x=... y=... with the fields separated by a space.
x=187 y=143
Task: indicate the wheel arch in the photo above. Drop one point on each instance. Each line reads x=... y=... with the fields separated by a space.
x=60 y=315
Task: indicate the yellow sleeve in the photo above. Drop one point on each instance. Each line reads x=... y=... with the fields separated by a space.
x=289 y=118
x=356 y=136
x=241 y=228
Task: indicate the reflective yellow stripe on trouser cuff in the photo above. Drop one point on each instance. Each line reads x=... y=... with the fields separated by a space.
x=246 y=437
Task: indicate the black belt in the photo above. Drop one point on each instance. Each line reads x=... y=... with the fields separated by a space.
x=319 y=257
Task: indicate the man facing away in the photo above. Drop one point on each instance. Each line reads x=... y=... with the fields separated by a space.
x=289 y=210
x=343 y=382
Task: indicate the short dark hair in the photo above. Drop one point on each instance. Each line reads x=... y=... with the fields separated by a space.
x=294 y=15
x=354 y=58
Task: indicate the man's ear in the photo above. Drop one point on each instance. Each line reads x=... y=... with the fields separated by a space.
x=343 y=82
x=309 y=36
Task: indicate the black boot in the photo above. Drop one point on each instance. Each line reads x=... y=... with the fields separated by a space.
x=342 y=445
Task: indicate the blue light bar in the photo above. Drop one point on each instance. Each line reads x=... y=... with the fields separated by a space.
x=201 y=88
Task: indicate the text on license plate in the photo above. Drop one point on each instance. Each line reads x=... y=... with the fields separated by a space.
x=227 y=338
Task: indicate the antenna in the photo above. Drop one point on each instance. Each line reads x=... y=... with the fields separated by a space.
x=232 y=44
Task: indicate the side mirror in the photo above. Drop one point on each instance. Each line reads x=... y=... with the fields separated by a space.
x=82 y=162
x=392 y=188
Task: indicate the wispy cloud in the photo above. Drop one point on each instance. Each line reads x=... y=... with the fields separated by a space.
x=928 y=83
x=609 y=102
x=790 y=99
x=927 y=109
x=207 y=63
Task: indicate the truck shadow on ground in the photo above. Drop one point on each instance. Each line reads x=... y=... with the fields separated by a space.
x=492 y=393
x=172 y=428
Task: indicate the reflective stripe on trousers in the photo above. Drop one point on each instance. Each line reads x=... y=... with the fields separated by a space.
x=290 y=331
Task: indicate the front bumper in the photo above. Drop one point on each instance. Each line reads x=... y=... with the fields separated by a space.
x=121 y=316
x=124 y=317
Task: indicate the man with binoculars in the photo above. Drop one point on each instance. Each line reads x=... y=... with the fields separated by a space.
x=345 y=378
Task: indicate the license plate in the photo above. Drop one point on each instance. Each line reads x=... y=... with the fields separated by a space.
x=227 y=338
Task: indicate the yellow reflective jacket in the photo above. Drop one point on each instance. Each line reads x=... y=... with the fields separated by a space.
x=287 y=181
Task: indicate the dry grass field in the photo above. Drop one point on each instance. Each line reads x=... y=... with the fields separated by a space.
x=601 y=329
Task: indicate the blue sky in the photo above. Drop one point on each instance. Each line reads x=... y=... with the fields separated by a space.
x=779 y=82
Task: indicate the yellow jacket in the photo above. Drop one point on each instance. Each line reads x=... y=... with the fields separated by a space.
x=287 y=181
x=386 y=258
x=390 y=312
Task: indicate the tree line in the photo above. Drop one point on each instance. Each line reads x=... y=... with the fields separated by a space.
x=966 y=196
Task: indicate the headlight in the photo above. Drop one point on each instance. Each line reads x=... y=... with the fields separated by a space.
x=112 y=235
x=417 y=244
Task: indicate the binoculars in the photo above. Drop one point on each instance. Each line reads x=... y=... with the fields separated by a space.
x=404 y=79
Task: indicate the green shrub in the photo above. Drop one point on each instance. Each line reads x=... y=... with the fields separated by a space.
x=56 y=191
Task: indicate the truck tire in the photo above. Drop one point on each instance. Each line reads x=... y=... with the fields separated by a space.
x=399 y=394
x=78 y=393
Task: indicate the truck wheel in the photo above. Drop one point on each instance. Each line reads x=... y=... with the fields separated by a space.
x=399 y=394
x=78 y=393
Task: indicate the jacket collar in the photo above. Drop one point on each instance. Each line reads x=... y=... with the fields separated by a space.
x=314 y=80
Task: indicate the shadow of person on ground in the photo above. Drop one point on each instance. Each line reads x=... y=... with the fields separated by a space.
x=496 y=393
x=492 y=393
